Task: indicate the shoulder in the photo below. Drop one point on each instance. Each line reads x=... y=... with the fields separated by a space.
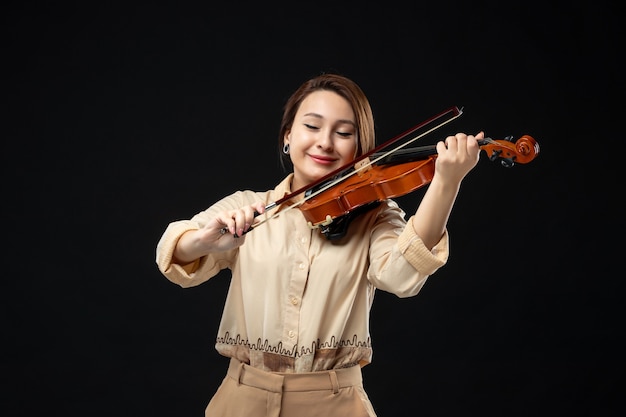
x=389 y=207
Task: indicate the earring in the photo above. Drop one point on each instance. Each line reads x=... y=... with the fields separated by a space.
x=286 y=149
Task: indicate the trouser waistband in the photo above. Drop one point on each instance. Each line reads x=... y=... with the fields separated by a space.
x=308 y=381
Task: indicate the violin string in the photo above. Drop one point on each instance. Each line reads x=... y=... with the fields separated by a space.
x=356 y=171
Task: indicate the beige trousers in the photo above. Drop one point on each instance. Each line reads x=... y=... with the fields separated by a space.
x=250 y=392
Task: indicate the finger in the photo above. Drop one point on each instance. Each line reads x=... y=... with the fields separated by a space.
x=260 y=207
x=453 y=143
x=239 y=217
x=442 y=146
x=227 y=222
x=250 y=213
x=472 y=143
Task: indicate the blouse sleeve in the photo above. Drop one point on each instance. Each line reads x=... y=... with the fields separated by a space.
x=403 y=269
x=202 y=269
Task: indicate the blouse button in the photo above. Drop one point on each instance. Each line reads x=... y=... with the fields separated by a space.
x=294 y=300
x=291 y=334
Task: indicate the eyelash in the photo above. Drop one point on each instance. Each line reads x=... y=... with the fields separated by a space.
x=343 y=134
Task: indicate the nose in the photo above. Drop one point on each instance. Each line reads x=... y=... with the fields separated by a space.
x=325 y=141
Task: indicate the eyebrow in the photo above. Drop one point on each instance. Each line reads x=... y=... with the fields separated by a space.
x=319 y=116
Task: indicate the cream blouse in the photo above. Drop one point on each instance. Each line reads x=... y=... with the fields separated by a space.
x=298 y=302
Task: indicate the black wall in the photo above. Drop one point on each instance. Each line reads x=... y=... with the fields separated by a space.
x=119 y=120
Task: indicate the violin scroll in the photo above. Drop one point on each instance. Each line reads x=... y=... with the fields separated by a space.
x=510 y=152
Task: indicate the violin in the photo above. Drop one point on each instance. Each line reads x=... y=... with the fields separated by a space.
x=395 y=175
x=331 y=202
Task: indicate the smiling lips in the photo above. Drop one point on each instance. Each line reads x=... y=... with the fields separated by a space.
x=323 y=160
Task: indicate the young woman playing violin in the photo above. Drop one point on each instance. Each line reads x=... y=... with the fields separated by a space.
x=295 y=323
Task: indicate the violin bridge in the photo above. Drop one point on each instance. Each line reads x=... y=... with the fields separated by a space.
x=362 y=166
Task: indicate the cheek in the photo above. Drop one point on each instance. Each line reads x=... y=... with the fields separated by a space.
x=300 y=139
x=347 y=149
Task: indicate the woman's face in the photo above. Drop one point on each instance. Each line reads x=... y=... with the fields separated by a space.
x=323 y=137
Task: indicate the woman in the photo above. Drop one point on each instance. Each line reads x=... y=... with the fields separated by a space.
x=295 y=324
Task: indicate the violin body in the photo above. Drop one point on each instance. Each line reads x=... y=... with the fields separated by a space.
x=374 y=184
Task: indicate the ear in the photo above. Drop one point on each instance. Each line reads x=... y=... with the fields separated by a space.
x=287 y=137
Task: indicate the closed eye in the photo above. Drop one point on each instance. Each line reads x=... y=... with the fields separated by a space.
x=308 y=126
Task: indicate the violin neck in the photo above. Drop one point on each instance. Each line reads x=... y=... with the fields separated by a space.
x=400 y=156
x=412 y=154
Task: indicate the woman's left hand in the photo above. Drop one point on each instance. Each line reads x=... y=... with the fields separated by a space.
x=457 y=156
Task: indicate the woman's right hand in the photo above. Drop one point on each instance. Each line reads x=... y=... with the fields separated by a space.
x=226 y=231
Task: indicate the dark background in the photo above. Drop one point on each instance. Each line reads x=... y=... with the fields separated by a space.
x=120 y=119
